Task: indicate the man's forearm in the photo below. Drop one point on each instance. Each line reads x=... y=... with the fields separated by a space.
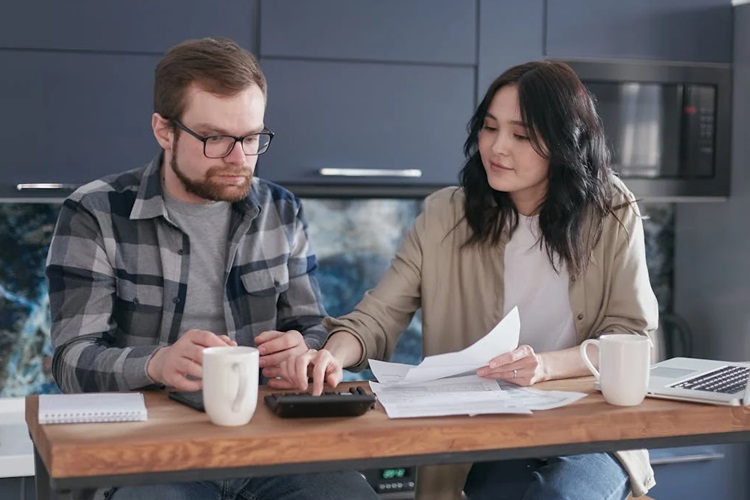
x=107 y=369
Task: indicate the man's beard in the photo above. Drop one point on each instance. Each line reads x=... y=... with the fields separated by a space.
x=209 y=190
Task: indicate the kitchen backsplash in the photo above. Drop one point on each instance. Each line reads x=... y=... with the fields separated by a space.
x=354 y=240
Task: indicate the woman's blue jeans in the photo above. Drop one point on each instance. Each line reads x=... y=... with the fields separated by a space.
x=596 y=476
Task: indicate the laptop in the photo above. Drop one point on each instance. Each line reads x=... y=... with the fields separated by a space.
x=701 y=381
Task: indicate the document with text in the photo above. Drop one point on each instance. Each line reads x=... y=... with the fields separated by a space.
x=501 y=339
x=447 y=384
x=538 y=399
x=467 y=395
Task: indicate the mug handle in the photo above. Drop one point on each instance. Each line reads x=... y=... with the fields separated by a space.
x=239 y=399
x=585 y=356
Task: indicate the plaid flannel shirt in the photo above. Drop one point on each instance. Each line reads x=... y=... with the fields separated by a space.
x=118 y=272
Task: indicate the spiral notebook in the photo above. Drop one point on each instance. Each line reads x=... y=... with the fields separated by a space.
x=92 y=407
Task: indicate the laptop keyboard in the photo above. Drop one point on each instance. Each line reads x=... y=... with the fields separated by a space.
x=727 y=380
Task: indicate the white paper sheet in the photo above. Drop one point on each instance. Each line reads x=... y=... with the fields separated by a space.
x=468 y=395
x=446 y=384
x=501 y=339
x=538 y=399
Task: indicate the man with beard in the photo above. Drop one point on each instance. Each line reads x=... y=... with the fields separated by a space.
x=149 y=267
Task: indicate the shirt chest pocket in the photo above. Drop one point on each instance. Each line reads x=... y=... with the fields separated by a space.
x=138 y=308
x=261 y=301
x=135 y=295
x=266 y=282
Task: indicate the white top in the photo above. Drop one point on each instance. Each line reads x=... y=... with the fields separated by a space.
x=541 y=293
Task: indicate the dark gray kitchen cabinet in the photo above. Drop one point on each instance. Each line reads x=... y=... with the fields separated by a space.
x=367 y=94
x=417 y=31
x=76 y=94
x=694 y=472
x=365 y=116
x=675 y=30
x=122 y=25
x=510 y=33
x=21 y=488
x=70 y=117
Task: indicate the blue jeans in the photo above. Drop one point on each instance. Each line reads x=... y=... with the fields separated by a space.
x=329 y=485
x=596 y=476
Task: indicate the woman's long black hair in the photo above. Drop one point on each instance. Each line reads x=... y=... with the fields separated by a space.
x=564 y=128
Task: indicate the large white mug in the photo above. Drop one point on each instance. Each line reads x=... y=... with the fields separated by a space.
x=624 y=366
x=230 y=384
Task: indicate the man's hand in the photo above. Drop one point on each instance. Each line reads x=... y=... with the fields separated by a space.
x=173 y=365
x=275 y=347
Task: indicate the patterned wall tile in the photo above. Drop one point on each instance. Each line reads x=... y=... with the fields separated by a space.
x=354 y=239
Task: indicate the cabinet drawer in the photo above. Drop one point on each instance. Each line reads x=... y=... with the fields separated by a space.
x=365 y=116
x=431 y=31
x=73 y=117
x=697 y=472
x=123 y=25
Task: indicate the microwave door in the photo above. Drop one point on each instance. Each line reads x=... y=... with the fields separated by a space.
x=641 y=121
x=640 y=135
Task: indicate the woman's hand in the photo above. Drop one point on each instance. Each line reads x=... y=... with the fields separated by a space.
x=295 y=372
x=521 y=366
x=324 y=366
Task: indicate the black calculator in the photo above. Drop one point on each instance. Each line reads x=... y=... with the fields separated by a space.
x=351 y=403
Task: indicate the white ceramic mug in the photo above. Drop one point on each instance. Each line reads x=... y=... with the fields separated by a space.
x=230 y=384
x=624 y=366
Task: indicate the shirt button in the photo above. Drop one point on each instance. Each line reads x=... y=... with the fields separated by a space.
x=180 y=252
x=580 y=316
x=176 y=300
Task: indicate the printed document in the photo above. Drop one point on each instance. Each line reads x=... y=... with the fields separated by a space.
x=501 y=339
x=538 y=399
x=467 y=395
x=446 y=384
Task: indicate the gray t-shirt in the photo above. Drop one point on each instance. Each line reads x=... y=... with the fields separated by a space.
x=207 y=227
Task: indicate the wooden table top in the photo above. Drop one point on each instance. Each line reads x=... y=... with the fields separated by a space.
x=177 y=438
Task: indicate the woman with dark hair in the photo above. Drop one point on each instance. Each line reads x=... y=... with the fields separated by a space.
x=540 y=223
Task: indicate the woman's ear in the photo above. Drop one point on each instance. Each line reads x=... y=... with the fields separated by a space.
x=163 y=131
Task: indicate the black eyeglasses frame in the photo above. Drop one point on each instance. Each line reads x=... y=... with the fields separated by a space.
x=205 y=139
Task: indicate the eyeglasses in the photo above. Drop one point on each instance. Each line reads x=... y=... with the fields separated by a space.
x=220 y=146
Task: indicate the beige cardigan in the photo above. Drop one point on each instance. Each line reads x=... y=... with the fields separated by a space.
x=461 y=296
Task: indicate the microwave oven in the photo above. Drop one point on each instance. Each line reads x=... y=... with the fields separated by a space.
x=668 y=125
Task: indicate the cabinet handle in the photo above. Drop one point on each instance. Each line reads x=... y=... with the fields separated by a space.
x=45 y=185
x=698 y=457
x=370 y=172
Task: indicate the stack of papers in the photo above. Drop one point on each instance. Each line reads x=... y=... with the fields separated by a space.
x=446 y=384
